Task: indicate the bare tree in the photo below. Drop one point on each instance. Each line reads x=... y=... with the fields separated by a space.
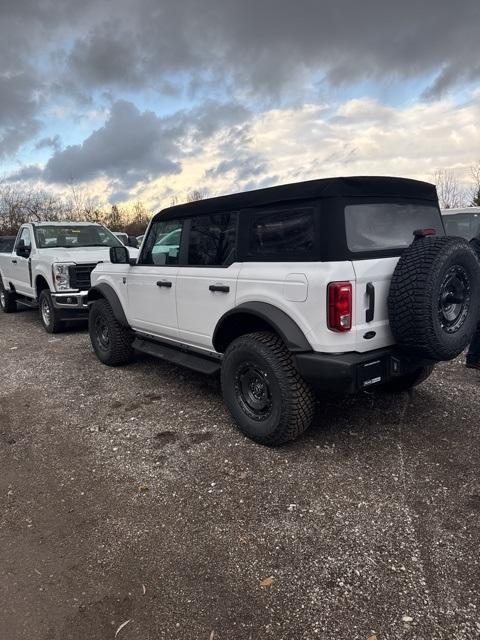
x=475 y=174
x=196 y=194
x=450 y=192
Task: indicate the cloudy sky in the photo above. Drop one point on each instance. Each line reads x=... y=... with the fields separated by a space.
x=152 y=98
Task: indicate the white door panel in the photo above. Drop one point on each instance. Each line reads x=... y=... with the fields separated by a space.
x=152 y=308
x=20 y=274
x=200 y=308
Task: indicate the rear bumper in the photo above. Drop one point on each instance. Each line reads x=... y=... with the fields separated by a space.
x=352 y=372
x=75 y=301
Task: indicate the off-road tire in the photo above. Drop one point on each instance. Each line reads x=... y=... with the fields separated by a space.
x=291 y=398
x=49 y=316
x=8 y=304
x=114 y=346
x=419 y=304
x=407 y=381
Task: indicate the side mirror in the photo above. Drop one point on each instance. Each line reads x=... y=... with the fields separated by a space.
x=133 y=242
x=119 y=255
x=22 y=249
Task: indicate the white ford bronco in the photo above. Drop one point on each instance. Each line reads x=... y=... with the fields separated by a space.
x=49 y=267
x=339 y=284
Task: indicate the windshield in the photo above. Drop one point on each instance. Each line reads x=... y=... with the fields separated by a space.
x=465 y=225
x=388 y=226
x=71 y=237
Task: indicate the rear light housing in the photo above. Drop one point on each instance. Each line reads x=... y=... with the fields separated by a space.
x=339 y=315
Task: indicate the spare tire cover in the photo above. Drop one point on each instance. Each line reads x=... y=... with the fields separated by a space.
x=434 y=298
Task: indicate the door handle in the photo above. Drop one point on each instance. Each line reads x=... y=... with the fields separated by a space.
x=370 y=314
x=14 y=261
x=219 y=287
x=164 y=283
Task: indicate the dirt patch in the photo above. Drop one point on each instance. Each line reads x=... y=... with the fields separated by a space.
x=128 y=495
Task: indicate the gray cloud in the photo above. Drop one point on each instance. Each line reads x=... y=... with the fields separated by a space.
x=268 y=44
x=261 y=44
x=254 y=49
x=243 y=167
x=18 y=107
x=53 y=142
x=133 y=146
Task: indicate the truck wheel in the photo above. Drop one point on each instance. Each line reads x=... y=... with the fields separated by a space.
x=267 y=397
x=434 y=297
x=8 y=304
x=48 y=314
x=111 y=341
x=407 y=381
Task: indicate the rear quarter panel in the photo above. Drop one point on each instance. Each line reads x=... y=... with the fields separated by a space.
x=300 y=290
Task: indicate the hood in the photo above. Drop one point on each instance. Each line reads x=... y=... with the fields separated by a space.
x=82 y=255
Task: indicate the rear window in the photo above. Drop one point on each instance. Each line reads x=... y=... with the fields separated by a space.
x=284 y=233
x=384 y=226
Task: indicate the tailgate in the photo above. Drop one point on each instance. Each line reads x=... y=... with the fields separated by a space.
x=372 y=326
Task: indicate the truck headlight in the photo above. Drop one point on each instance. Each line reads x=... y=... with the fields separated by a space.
x=61 y=276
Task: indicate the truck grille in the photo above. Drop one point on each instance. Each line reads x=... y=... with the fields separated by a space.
x=80 y=275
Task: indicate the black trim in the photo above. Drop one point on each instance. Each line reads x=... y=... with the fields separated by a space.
x=103 y=290
x=370 y=313
x=352 y=372
x=287 y=329
x=198 y=363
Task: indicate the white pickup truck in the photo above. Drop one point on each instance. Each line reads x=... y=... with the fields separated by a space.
x=50 y=267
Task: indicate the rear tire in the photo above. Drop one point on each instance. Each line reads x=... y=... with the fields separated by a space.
x=111 y=341
x=49 y=316
x=266 y=396
x=8 y=304
x=407 y=381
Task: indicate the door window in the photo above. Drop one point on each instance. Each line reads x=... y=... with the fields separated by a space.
x=212 y=240
x=25 y=236
x=162 y=246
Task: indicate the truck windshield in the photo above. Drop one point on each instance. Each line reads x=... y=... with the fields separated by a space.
x=384 y=226
x=70 y=236
x=465 y=225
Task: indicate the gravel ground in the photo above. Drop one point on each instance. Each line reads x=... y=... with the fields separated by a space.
x=127 y=495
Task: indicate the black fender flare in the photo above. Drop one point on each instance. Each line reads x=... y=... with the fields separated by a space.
x=282 y=323
x=104 y=290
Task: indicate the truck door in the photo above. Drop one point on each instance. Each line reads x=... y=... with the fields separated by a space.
x=207 y=284
x=20 y=268
x=152 y=282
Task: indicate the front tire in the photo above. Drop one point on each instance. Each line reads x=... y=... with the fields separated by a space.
x=111 y=341
x=49 y=316
x=8 y=304
x=266 y=396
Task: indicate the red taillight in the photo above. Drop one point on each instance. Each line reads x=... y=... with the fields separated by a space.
x=340 y=306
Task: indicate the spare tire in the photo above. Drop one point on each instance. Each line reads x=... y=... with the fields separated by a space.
x=434 y=298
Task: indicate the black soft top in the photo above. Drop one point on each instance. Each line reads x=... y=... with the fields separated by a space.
x=358 y=186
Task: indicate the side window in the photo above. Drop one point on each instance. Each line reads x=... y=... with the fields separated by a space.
x=162 y=246
x=25 y=236
x=212 y=239
x=287 y=233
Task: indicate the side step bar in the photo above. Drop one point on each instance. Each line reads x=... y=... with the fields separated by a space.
x=182 y=358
